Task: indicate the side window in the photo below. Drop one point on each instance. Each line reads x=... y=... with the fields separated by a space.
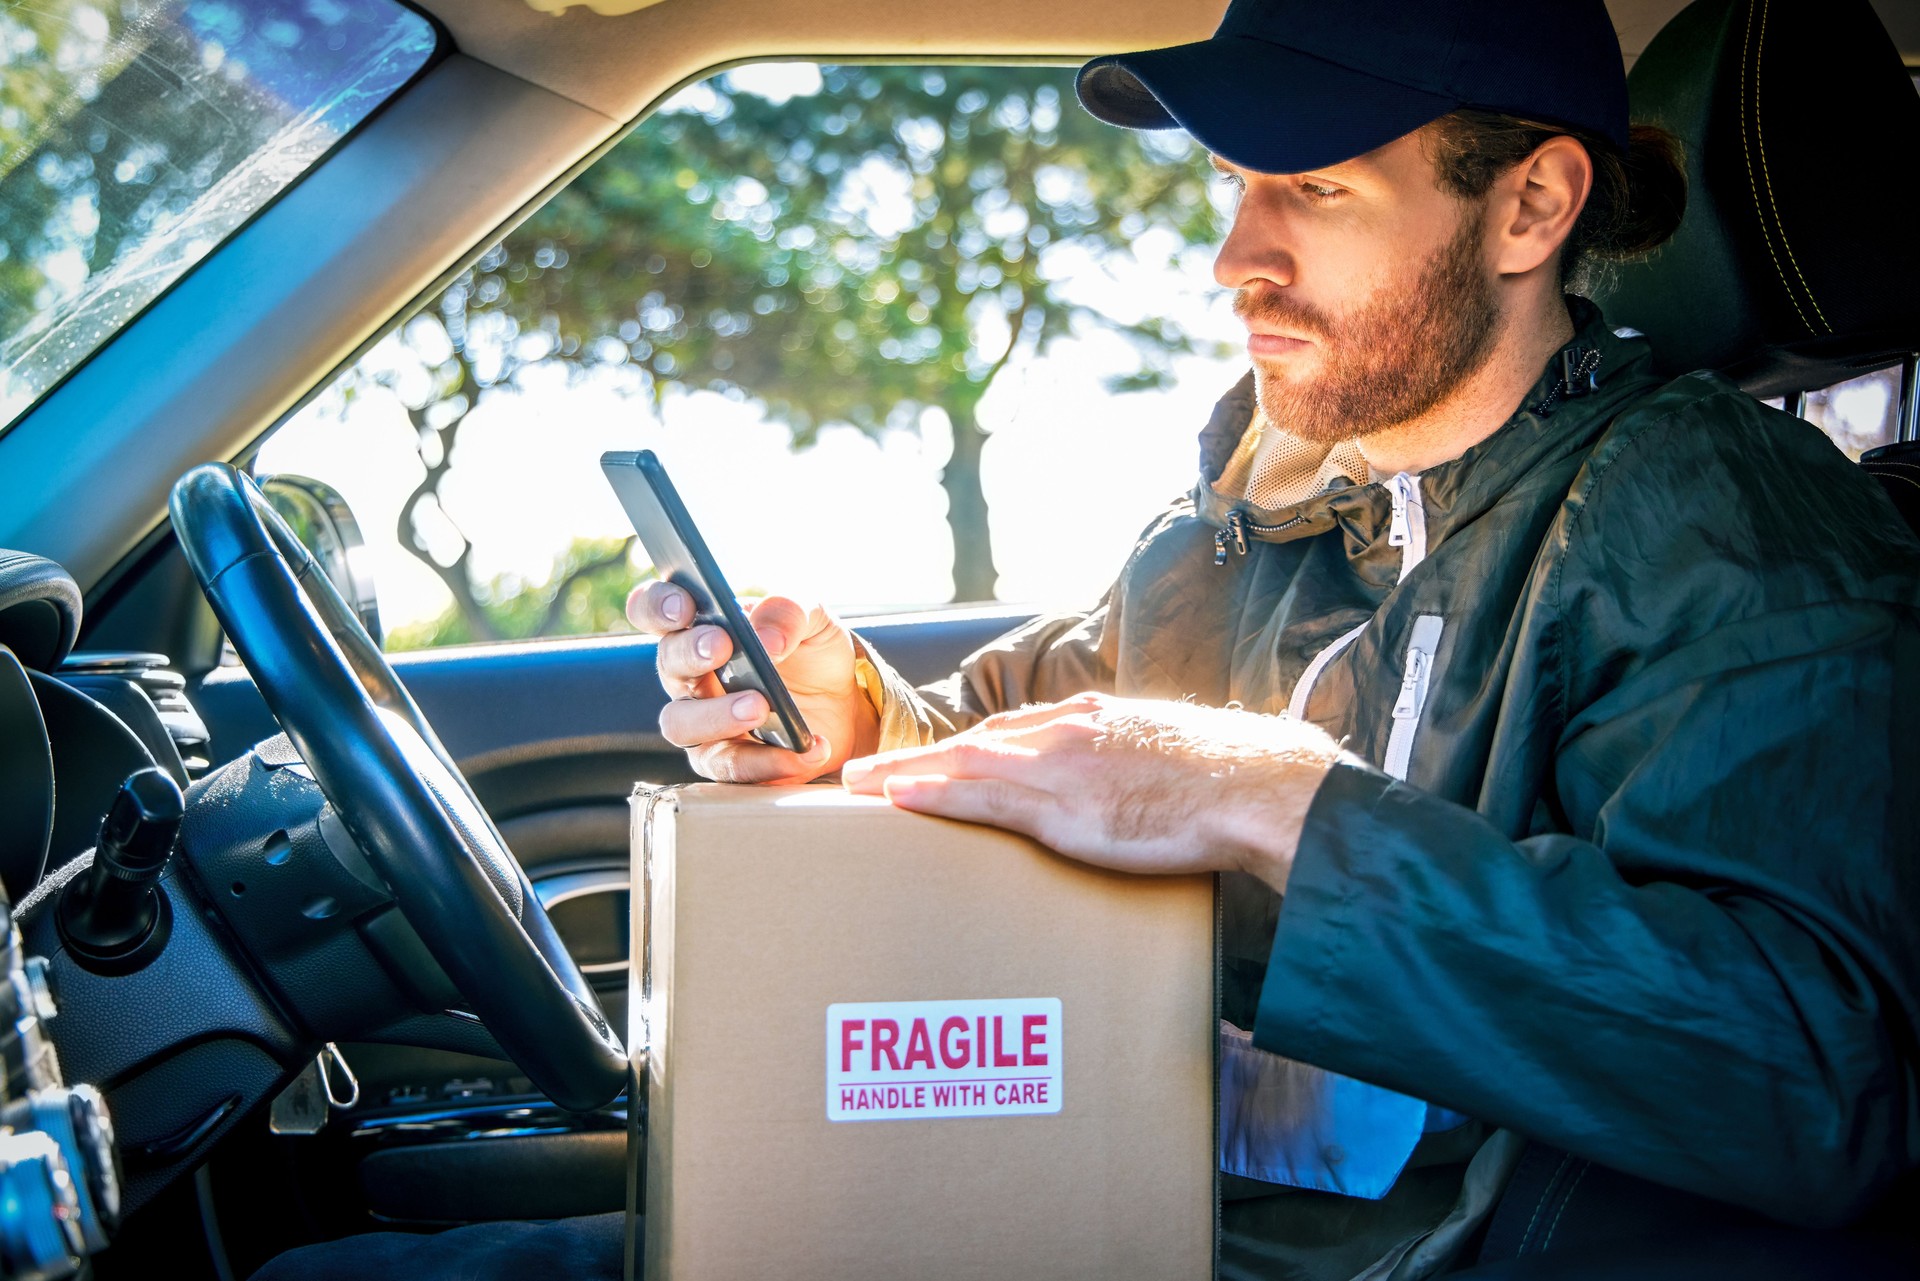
x=904 y=336
x=1859 y=414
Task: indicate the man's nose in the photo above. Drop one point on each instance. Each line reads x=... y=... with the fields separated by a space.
x=1257 y=247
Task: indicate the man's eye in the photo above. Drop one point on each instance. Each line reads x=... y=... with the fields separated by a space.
x=1316 y=191
x=1234 y=182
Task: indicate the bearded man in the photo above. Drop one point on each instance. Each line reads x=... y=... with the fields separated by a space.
x=1497 y=676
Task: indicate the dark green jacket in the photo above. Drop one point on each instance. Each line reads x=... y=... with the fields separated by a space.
x=1649 y=892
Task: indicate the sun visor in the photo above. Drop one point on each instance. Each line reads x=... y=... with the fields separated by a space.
x=605 y=8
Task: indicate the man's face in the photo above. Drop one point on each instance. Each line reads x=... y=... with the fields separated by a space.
x=1364 y=288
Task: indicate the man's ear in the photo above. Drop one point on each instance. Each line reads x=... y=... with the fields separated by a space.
x=1534 y=205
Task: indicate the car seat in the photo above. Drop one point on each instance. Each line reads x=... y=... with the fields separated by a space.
x=1796 y=265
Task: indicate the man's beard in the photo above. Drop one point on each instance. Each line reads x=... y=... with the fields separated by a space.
x=1398 y=355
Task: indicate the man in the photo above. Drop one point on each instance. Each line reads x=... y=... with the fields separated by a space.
x=1543 y=717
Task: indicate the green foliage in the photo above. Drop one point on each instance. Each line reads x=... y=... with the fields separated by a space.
x=586 y=595
x=748 y=245
x=857 y=256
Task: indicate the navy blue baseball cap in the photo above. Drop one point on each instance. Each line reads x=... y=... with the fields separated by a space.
x=1290 y=85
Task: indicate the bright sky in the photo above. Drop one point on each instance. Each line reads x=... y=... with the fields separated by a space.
x=1072 y=473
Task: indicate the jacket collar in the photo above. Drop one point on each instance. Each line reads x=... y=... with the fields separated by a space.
x=1576 y=393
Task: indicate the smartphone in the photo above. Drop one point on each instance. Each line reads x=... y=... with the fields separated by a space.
x=680 y=557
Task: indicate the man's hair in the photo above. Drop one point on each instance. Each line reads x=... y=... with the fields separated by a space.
x=1633 y=209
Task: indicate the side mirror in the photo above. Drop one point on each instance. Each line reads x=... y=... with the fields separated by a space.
x=321 y=519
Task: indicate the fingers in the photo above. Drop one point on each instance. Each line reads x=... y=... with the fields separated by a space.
x=1006 y=745
x=691 y=722
x=684 y=657
x=995 y=801
x=658 y=608
x=955 y=758
x=1036 y=714
x=687 y=654
x=744 y=761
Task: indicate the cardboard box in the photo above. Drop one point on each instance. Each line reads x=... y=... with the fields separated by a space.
x=882 y=1045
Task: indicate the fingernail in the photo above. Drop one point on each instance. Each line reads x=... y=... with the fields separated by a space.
x=747 y=708
x=703 y=644
x=776 y=643
x=820 y=749
x=674 y=606
x=853 y=771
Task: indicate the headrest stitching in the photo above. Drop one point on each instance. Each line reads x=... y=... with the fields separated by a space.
x=1906 y=480
x=1766 y=170
x=1753 y=182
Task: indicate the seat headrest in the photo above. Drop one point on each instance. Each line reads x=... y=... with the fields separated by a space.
x=39 y=609
x=1798 y=263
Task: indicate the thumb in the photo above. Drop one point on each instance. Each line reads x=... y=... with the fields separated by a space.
x=784 y=625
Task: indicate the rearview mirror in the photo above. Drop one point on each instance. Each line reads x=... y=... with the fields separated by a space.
x=321 y=519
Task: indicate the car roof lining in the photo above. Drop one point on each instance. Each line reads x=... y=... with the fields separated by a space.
x=619 y=64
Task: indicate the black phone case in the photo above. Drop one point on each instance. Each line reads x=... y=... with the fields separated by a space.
x=680 y=556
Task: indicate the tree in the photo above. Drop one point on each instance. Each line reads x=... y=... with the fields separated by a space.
x=586 y=595
x=863 y=255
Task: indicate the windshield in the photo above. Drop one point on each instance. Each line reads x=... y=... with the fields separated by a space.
x=135 y=137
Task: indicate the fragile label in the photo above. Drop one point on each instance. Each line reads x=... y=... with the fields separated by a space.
x=895 y=1060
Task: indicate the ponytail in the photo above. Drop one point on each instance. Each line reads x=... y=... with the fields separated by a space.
x=1635 y=205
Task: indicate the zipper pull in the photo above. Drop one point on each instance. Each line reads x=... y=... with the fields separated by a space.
x=1399 y=532
x=1580 y=370
x=1236 y=530
x=1412 y=686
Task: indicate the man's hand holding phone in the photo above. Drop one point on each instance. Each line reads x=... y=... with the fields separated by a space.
x=815 y=658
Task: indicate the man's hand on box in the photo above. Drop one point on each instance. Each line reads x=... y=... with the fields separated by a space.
x=814 y=655
x=1130 y=784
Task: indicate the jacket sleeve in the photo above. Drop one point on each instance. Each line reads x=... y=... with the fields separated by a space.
x=1051 y=657
x=1715 y=992
x=1701 y=968
x=1048 y=658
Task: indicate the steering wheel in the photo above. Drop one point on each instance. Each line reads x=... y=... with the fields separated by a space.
x=394 y=786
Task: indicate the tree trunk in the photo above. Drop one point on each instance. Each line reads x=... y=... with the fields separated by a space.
x=974 y=576
x=456 y=578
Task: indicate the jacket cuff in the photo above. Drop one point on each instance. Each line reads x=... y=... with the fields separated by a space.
x=1309 y=970
x=904 y=718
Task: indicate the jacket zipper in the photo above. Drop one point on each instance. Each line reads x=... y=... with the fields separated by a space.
x=1237 y=529
x=1579 y=375
x=1297 y=705
x=1414 y=683
x=1406 y=530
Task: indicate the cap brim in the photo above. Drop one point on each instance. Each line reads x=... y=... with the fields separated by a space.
x=1262 y=106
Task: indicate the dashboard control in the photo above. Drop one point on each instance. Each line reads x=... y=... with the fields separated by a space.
x=75 y=1118
x=100 y=674
x=112 y=916
x=59 y=1172
x=40 y=1233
